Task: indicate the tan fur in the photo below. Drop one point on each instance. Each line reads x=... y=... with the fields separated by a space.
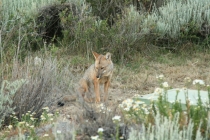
x=97 y=74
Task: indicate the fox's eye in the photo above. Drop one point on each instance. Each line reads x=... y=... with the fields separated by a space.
x=102 y=67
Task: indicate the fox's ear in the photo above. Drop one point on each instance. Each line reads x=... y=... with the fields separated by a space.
x=108 y=56
x=95 y=54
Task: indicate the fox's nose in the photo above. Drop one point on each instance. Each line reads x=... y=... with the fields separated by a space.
x=97 y=76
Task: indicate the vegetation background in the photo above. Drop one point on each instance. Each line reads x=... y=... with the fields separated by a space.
x=45 y=46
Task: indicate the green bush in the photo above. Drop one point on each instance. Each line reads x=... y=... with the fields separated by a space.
x=7 y=92
x=179 y=19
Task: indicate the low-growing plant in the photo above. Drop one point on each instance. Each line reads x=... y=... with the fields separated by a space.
x=7 y=92
x=169 y=119
x=27 y=126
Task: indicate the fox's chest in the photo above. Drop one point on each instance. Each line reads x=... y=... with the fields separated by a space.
x=103 y=79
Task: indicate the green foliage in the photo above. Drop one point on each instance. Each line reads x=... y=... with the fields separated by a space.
x=8 y=90
x=87 y=27
x=179 y=19
x=13 y=10
x=168 y=120
x=165 y=129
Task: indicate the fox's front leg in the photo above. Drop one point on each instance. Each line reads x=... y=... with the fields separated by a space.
x=96 y=89
x=106 y=86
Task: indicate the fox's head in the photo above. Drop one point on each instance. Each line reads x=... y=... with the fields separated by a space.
x=103 y=64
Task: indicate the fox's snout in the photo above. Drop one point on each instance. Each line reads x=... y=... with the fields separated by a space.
x=98 y=76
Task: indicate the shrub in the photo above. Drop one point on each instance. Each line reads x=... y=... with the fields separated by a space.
x=178 y=19
x=7 y=92
x=166 y=129
x=45 y=83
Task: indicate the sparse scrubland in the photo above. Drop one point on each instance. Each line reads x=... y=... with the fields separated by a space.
x=45 y=47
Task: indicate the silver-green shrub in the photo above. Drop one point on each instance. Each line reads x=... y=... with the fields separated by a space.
x=176 y=15
x=8 y=90
x=14 y=8
x=167 y=129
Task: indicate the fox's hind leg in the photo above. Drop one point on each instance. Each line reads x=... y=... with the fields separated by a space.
x=84 y=89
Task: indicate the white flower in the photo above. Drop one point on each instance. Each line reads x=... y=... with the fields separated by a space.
x=20 y=123
x=10 y=127
x=94 y=137
x=37 y=61
x=160 y=76
x=32 y=118
x=100 y=130
x=197 y=81
x=158 y=91
x=45 y=135
x=58 y=131
x=187 y=79
x=116 y=118
x=165 y=84
x=32 y=126
x=46 y=108
x=49 y=114
x=136 y=107
x=126 y=109
x=127 y=103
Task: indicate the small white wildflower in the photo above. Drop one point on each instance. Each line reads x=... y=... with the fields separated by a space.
x=27 y=124
x=32 y=126
x=127 y=103
x=165 y=84
x=43 y=118
x=135 y=107
x=45 y=135
x=126 y=109
x=58 y=131
x=121 y=105
x=37 y=61
x=197 y=81
x=51 y=119
x=49 y=114
x=161 y=76
x=46 y=108
x=144 y=105
x=10 y=127
x=94 y=137
x=187 y=79
x=158 y=91
x=32 y=118
x=100 y=130
x=136 y=95
x=116 y=118
x=20 y=123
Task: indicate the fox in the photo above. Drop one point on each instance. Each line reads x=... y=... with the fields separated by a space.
x=99 y=73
